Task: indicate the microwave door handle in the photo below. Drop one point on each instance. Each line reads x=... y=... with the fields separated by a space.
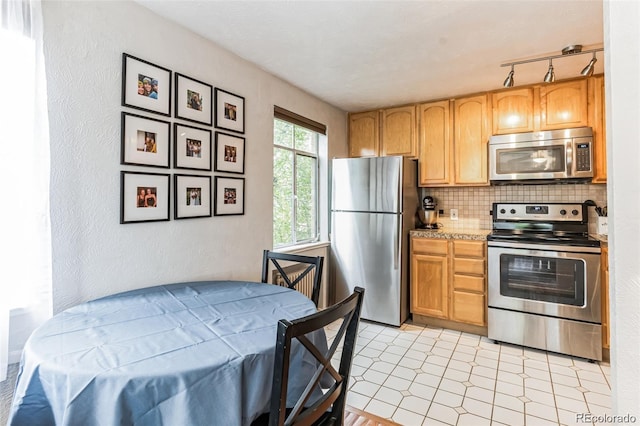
x=569 y=157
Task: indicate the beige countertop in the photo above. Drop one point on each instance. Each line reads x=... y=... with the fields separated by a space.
x=460 y=233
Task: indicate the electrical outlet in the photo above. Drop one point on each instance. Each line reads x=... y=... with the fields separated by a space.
x=453 y=214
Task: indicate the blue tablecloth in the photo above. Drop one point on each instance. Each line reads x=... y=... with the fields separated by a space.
x=198 y=353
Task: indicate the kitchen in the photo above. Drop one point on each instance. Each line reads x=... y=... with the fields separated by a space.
x=117 y=245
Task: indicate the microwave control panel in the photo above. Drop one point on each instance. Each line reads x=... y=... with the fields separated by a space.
x=583 y=157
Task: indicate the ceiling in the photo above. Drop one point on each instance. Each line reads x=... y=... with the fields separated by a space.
x=362 y=55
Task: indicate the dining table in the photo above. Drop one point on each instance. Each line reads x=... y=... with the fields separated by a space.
x=192 y=353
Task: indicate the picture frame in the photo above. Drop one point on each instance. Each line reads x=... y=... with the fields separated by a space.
x=229 y=111
x=144 y=141
x=229 y=155
x=191 y=147
x=138 y=88
x=192 y=196
x=229 y=196
x=194 y=101
x=144 y=197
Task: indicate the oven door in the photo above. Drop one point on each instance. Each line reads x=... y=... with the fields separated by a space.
x=540 y=279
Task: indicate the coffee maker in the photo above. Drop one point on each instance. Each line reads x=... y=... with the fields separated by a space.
x=428 y=214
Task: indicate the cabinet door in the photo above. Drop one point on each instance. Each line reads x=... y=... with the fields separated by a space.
x=513 y=111
x=399 y=131
x=563 y=105
x=468 y=308
x=597 y=120
x=429 y=285
x=470 y=140
x=434 y=143
x=364 y=134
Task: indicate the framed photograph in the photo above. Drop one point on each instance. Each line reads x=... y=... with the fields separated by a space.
x=145 y=86
x=145 y=141
x=229 y=196
x=192 y=147
x=229 y=111
x=193 y=100
x=144 y=197
x=192 y=196
x=229 y=153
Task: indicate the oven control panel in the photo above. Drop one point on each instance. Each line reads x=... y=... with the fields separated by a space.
x=538 y=212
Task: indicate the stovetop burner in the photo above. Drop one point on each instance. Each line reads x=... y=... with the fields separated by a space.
x=544 y=238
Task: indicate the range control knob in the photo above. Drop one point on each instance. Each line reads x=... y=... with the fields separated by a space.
x=563 y=212
x=574 y=212
x=503 y=211
x=513 y=211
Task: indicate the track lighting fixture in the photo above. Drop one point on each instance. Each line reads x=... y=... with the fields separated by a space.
x=549 y=77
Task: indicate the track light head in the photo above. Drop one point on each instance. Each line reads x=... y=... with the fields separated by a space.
x=508 y=82
x=550 y=77
x=588 y=70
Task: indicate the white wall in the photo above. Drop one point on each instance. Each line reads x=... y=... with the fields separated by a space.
x=93 y=254
x=622 y=61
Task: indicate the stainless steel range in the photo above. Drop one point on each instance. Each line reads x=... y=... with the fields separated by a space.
x=544 y=278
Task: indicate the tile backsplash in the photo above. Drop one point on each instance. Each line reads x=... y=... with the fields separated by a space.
x=474 y=203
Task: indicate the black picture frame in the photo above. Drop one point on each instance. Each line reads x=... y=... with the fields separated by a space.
x=194 y=100
x=230 y=111
x=192 y=196
x=136 y=72
x=229 y=196
x=191 y=147
x=229 y=153
x=155 y=204
x=144 y=141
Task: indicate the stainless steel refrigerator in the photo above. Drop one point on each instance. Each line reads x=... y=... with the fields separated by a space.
x=374 y=202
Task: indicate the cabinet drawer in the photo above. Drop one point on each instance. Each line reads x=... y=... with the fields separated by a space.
x=429 y=245
x=468 y=248
x=468 y=283
x=468 y=307
x=468 y=266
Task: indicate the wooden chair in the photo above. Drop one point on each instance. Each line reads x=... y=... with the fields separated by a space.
x=329 y=408
x=291 y=282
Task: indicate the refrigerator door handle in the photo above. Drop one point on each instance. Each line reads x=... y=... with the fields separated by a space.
x=396 y=246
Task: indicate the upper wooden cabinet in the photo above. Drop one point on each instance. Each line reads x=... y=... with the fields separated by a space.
x=399 y=131
x=381 y=133
x=470 y=140
x=434 y=134
x=563 y=105
x=453 y=137
x=364 y=139
x=513 y=111
x=597 y=119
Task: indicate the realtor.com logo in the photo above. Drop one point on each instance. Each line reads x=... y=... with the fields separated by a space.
x=604 y=418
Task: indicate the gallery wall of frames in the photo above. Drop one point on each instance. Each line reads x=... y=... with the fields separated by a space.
x=188 y=146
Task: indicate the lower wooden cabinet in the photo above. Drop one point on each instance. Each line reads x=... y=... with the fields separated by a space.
x=448 y=280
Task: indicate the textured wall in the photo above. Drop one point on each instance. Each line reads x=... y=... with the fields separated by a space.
x=93 y=254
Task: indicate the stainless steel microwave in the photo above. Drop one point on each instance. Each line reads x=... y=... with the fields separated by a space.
x=553 y=156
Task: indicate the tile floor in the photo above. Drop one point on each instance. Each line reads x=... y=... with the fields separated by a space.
x=417 y=375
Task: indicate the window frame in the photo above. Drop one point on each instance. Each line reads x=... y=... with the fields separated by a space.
x=316 y=187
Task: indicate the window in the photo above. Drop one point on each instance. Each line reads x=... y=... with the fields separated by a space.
x=295 y=180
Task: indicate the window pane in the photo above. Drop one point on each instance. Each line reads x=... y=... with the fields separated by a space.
x=282 y=196
x=306 y=140
x=306 y=168
x=283 y=133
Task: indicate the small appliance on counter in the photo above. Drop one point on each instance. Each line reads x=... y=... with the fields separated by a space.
x=428 y=214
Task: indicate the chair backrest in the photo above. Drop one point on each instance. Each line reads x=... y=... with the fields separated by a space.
x=331 y=403
x=315 y=266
